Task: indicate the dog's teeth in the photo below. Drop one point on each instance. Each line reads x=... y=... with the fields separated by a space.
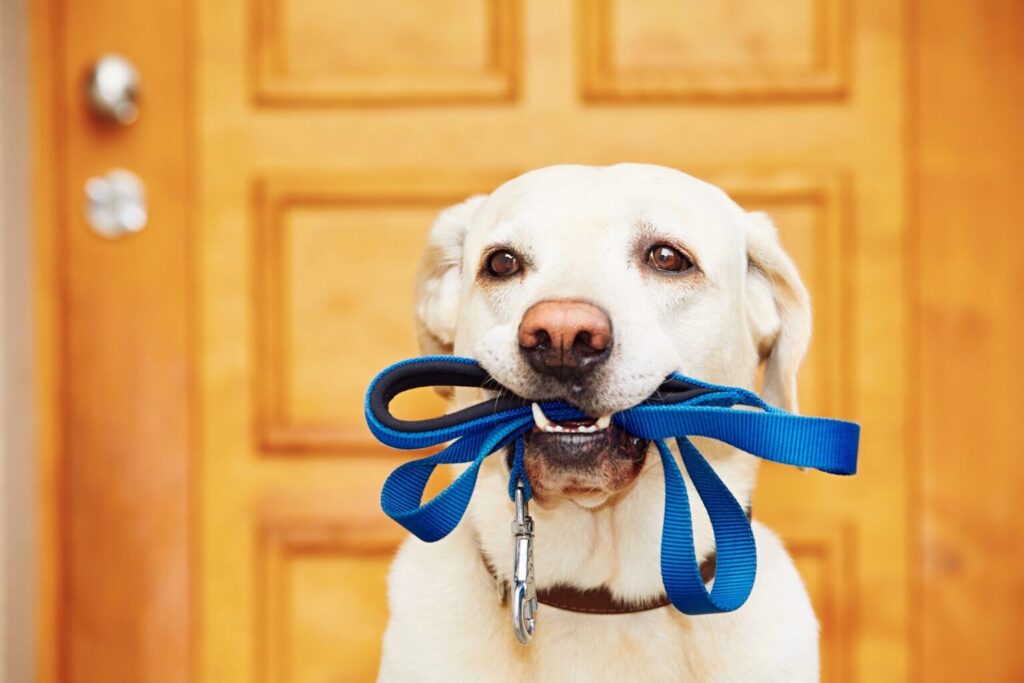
x=540 y=419
x=545 y=424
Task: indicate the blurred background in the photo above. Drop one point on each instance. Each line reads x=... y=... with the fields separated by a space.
x=210 y=213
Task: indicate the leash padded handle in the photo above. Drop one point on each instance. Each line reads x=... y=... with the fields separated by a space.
x=435 y=371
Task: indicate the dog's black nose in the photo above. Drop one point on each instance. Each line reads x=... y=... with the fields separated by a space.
x=565 y=339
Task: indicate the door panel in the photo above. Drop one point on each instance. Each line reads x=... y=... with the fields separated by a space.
x=334 y=298
x=322 y=599
x=665 y=50
x=319 y=51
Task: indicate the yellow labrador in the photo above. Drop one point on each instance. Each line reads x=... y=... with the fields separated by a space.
x=592 y=284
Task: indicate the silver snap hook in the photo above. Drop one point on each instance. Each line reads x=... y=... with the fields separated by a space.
x=524 y=589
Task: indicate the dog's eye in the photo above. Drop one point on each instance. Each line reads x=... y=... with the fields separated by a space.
x=669 y=259
x=502 y=263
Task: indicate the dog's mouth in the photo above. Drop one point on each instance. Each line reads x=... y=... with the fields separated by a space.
x=582 y=460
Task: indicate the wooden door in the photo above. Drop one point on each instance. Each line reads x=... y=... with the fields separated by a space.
x=320 y=137
x=330 y=133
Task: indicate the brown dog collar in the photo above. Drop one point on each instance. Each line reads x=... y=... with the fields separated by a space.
x=594 y=600
x=597 y=600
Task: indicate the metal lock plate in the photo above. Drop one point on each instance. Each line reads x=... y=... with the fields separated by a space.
x=116 y=203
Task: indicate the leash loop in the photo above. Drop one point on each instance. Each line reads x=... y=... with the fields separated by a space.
x=734 y=538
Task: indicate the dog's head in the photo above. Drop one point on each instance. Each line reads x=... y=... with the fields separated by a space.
x=592 y=284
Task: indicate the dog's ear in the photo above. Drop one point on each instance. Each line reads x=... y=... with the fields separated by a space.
x=778 y=309
x=439 y=278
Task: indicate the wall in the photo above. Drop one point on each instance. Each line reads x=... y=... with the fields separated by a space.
x=16 y=471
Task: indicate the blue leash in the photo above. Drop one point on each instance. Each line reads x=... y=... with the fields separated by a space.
x=681 y=408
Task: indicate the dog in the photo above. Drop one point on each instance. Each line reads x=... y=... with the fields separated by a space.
x=591 y=285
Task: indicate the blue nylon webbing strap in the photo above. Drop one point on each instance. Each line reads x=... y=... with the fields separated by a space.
x=692 y=408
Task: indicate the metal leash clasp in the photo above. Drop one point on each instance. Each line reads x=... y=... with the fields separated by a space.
x=524 y=590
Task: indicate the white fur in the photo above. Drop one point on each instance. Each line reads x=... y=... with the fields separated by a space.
x=579 y=228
